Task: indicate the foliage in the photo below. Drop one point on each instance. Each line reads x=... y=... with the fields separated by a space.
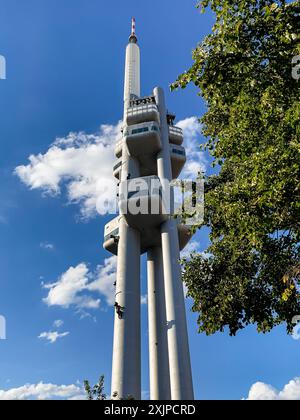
x=128 y=398
x=243 y=70
x=96 y=392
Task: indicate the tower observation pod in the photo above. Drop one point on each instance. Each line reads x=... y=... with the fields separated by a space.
x=148 y=157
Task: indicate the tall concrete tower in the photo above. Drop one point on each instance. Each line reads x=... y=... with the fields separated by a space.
x=150 y=155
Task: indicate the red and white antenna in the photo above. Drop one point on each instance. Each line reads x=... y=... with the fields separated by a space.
x=133 y=26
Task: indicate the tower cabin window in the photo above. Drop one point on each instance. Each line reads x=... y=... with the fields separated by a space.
x=140 y=130
x=143 y=101
x=178 y=152
x=144 y=130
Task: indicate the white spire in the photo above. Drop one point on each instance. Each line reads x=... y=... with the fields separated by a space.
x=133 y=26
x=132 y=67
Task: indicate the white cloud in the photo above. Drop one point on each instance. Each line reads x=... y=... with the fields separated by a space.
x=196 y=161
x=47 y=245
x=104 y=280
x=262 y=391
x=191 y=247
x=58 y=323
x=144 y=300
x=53 y=336
x=67 y=290
x=43 y=391
x=82 y=163
x=77 y=286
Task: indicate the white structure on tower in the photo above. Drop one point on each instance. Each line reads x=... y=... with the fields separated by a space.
x=149 y=153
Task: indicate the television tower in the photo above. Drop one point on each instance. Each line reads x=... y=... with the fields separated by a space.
x=149 y=153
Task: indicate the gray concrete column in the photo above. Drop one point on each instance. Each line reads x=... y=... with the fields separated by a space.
x=158 y=342
x=126 y=369
x=178 y=346
x=126 y=366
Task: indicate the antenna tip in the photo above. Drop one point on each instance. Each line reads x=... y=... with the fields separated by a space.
x=133 y=26
x=133 y=37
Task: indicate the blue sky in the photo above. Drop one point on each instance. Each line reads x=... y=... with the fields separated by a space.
x=65 y=65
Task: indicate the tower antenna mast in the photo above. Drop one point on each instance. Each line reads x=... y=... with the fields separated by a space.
x=133 y=23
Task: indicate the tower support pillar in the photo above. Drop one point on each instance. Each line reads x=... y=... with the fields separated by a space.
x=158 y=340
x=178 y=346
x=126 y=369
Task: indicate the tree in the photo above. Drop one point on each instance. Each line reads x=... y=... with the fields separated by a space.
x=96 y=392
x=243 y=69
x=127 y=398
